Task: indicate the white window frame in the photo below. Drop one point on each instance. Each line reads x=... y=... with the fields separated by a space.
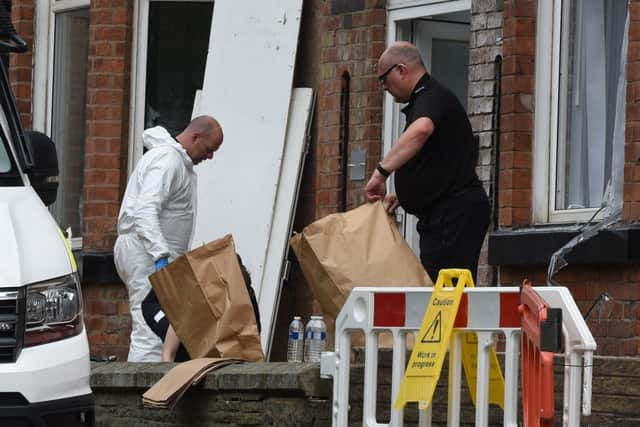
x=44 y=43
x=401 y=10
x=549 y=104
x=139 y=76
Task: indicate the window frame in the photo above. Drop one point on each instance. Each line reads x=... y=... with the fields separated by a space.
x=44 y=42
x=549 y=105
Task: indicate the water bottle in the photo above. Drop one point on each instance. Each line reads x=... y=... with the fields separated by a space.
x=315 y=335
x=296 y=339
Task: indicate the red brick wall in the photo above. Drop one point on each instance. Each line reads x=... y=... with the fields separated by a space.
x=107 y=320
x=332 y=42
x=351 y=42
x=632 y=146
x=21 y=65
x=615 y=325
x=107 y=119
x=110 y=31
x=516 y=121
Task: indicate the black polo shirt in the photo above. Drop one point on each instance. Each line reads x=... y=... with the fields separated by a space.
x=446 y=164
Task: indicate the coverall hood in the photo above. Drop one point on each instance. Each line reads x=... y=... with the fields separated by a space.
x=158 y=137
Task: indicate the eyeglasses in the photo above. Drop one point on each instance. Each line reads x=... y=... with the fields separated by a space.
x=383 y=77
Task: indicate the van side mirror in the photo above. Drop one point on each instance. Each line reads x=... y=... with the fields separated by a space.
x=44 y=174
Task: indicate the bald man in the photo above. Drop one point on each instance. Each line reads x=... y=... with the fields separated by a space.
x=157 y=217
x=434 y=162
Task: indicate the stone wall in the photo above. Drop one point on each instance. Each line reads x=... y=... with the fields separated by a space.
x=269 y=394
x=293 y=394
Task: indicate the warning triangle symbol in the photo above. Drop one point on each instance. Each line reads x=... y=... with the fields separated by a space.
x=434 y=331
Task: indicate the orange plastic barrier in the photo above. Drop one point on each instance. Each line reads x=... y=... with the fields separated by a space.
x=540 y=338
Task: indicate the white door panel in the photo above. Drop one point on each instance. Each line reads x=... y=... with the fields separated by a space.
x=247 y=87
x=300 y=114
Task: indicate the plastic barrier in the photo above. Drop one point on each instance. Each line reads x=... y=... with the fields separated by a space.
x=540 y=339
x=485 y=311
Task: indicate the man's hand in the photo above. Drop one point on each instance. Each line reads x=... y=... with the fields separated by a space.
x=376 y=188
x=391 y=203
x=162 y=263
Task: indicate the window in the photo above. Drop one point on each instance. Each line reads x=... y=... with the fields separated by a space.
x=170 y=61
x=60 y=87
x=579 y=126
x=68 y=113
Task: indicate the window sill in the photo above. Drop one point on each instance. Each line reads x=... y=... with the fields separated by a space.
x=534 y=247
x=97 y=267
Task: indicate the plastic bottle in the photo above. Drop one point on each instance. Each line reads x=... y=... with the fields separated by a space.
x=315 y=335
x=296 y=339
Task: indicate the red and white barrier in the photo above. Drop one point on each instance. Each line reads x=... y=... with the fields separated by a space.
x=486 y=311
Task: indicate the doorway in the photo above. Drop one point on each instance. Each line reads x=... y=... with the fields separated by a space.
x=441 y=32
x=170 y=53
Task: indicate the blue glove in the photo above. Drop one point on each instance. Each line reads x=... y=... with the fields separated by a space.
x=162 y=263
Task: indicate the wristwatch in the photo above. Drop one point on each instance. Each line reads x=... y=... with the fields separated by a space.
x=383 y=171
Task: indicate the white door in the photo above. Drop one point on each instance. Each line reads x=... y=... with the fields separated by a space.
x=247 y=86
x=441 y=33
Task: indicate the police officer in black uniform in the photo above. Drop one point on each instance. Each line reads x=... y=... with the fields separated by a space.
x=434 y=161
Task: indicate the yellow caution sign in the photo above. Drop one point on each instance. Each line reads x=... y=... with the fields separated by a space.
x=470 y=364
x=425 y=364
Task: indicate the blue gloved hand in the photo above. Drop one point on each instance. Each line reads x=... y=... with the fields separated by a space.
x=162 y=263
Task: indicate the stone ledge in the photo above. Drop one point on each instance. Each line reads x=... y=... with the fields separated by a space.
x=302 y=379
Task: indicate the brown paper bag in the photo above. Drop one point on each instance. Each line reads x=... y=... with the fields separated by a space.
x=362 y=247
x=204 y=296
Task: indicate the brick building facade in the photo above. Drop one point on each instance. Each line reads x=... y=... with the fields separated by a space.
x=340 y=42
x=615 y=325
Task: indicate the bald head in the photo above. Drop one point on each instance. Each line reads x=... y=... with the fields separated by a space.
x=201 y=138
x=205 y=125
x=400 y=67
x=403 y=53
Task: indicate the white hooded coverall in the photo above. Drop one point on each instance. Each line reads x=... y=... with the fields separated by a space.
x=156 y=220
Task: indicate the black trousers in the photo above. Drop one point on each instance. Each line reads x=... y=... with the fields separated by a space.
x=159 y=323
x=452 y=233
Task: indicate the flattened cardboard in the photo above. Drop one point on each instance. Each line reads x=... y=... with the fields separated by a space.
x=167 y=392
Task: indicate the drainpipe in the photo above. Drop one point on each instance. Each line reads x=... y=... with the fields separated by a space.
x=344 y=139
x=497 y=92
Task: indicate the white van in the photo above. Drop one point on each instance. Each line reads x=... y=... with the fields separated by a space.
x=44 y=351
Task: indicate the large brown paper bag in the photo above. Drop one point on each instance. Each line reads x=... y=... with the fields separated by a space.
x=204 y=296
x=361 y=247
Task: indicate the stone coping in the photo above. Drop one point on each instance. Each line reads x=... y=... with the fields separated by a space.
x=280 y=377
